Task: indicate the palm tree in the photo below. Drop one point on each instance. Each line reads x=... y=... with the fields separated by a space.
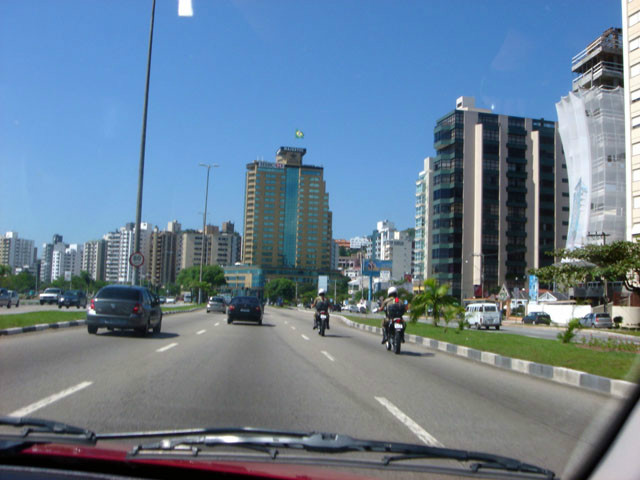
x=434 y=297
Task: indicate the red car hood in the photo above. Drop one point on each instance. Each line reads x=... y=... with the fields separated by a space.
x=113 y=460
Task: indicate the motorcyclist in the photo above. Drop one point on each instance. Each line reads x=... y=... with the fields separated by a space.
x=392 y=298
x=320 y=303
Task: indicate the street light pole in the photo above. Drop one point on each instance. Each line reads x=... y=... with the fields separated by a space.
x=143 y=139
x=204 y=226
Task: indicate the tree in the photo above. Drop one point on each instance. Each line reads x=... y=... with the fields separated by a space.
x=280 y=288
x=434 y=297
x=212 y=277
x=616 y=262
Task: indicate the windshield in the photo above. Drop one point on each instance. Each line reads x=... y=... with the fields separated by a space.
x=195 y=186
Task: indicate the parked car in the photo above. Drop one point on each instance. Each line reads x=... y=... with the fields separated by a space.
x=216 y=304
x=537 y=317
x=162 y=300
x=50 y=296
x=245 y=308
x=171 y=300
x=596 y=320
x=5 y=298
x=336 y=307
x=124 y=307
x=73 y=298
x=353 y=309
x=15 y=298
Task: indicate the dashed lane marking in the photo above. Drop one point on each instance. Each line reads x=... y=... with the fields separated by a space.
x=166 y=347
x=23 y=412
x=328 y=355
x=417 y=430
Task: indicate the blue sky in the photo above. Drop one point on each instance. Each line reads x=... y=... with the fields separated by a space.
x=364 y=80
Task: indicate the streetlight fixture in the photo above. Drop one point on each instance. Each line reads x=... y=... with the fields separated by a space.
x=184 y=10
x=204 y=226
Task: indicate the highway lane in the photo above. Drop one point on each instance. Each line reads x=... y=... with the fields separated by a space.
x=202 y=372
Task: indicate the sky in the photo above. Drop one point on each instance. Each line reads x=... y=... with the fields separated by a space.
x=365 y=80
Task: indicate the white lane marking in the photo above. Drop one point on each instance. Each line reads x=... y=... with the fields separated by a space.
x=293 y=328
x=418 y=431
x=328 y=355
x=305 y=337
x=23 y=412
x=166 y=347
x=218 y=323
x=200 y=332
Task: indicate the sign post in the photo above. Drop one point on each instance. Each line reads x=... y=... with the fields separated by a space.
x=136 y=260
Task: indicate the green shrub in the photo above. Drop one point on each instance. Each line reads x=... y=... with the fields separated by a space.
x=568 y=335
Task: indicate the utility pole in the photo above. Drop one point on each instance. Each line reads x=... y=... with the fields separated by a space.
x=204 y=228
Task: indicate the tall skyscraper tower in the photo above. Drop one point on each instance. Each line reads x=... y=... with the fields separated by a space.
x=287 y=221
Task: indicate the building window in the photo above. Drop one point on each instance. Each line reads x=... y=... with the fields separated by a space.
x=633 y=19
x=636 y=175
x=635 y=69
x=635 y=121
x=636 y=202
x=635 y=95
x=634 y=44
x=635 y=149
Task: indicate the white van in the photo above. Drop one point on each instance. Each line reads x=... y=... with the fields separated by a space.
x=483 y=315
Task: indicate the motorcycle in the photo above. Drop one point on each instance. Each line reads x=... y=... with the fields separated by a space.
x=395 y=334
x=323 y=319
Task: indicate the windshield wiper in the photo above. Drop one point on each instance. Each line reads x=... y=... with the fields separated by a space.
x=45 y=429
x=269 y=441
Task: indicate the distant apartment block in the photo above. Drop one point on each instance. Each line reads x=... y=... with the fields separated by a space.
x=16 y=252
x=422 y=238
x=93 y=259
x=500 y=199
x=46 y=266
x=119 y=249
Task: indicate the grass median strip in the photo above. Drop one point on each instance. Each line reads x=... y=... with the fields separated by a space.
x=35 y=318
x=183 y=307
x=616 y=365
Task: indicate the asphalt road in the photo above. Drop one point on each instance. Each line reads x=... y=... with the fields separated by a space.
x=202 y=372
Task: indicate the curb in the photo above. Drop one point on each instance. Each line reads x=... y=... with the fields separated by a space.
x=566 y=376
x=72 y=323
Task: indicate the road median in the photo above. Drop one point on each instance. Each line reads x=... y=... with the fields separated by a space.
x=559 y=365
x=37 y=321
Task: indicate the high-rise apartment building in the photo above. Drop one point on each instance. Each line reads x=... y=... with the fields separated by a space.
x=591 y=123
x=17 y=252
x=422 y=237
x=163 y=252
x=93 y=259
x=631 y=62
x=119 y=249
x=287 y=221
x=47 y=257
x=499 y=200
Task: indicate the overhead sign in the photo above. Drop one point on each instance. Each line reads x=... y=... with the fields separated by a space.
x=533 y=288
x=136 y=259
x=503 y=296
x=372 y=268
x=67 y=276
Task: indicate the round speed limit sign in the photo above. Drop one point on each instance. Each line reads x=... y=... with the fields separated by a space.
x=136 y=259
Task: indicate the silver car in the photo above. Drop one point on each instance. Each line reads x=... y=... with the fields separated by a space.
x=596 y=320
x=124 y=307
x=216 y=304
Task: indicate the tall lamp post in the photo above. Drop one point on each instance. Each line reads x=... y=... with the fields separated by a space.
x=184 y=10
x=204 y=225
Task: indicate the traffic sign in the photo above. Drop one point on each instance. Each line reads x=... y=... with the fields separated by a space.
x=503 y=296
x=136 y=259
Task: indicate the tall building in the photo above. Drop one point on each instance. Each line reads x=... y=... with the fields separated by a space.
x=17 y=252
x=287 y=221
x=224 y=247
x=499 y=200
x=631 y=62
x=119 y=249
x=163 y=252
x=591 y=123
x=93 y=259
x=422 y=242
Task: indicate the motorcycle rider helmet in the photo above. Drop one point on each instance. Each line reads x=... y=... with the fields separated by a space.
x=393 y=291
x=321 y=292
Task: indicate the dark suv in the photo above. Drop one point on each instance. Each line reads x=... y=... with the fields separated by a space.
x=124 y=307
x=245 y=308
x=73 y=298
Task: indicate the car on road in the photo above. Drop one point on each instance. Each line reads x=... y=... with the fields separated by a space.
x=15 y=298
x=483 y=315
x=50 y=295
x=124 y=307
x=171 y=300
x=336 y=307
x=536 y=318
x=5 y=298
x=353 y=309
x=162 y=300
x=596 y=320
x=216 y=304
x=73 y=298
x=245 y=308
